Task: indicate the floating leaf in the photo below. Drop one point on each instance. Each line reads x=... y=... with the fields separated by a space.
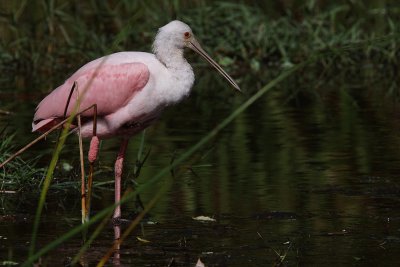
x=143 y=240
x=204 y=219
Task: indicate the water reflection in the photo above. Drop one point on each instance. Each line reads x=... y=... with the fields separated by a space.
x=317 y=181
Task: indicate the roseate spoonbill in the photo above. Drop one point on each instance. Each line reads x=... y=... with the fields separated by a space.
x=130 y=89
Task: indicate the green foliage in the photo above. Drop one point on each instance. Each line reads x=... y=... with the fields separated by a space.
x=247 y=35
x=17 y=175
x=51 y=38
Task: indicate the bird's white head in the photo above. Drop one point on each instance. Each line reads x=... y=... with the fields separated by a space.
x=174 y=34
x=172 y=38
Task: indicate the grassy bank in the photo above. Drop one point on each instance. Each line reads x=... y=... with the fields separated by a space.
x=19 y=174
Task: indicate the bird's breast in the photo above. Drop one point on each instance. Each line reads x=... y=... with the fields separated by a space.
x=174 y=85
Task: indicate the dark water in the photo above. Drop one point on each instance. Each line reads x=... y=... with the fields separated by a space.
x=298 y=182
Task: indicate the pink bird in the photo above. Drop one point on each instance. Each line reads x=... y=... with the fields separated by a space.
x=130 y=90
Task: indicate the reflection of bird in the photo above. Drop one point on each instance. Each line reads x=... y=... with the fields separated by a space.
x=130 y=90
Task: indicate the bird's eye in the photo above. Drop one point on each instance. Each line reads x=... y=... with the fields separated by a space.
x=187 y=35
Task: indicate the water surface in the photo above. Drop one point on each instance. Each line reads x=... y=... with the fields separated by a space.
x=300 y=182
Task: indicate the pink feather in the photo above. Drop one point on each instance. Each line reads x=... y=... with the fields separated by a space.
x=109 y=86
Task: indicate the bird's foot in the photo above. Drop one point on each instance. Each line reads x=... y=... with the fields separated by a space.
x=116 y=221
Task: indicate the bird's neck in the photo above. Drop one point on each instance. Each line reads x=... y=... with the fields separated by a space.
x=182 y=76
x=171 y=57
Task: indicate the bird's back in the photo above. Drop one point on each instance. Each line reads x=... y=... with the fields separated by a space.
x=109 y=82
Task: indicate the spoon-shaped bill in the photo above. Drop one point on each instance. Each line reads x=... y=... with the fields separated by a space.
x=195 y=46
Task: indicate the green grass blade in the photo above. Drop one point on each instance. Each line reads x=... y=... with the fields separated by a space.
x=46 y=185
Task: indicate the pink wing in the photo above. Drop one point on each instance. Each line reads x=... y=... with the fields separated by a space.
x=109 y=86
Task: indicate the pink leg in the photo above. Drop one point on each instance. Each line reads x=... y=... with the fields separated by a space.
x=118 y=173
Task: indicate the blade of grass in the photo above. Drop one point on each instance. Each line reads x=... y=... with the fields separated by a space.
x=46 y=185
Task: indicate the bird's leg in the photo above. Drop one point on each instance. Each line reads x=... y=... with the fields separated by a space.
x=92 y=156
x=118 y=173
x=117 y=258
